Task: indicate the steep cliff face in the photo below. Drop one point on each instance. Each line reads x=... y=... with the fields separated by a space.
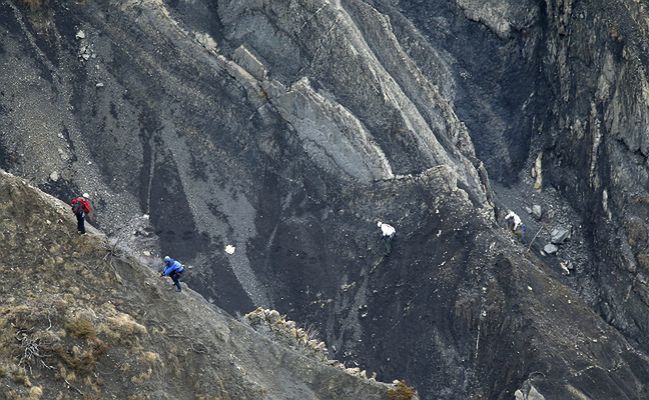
x=595 y=144
x=81 y=319
x=288 y=129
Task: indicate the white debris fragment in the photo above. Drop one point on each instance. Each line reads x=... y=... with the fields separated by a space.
x=99 y=85
x=147 y=253
x=81 y=35
x=54 y=176
x=565 y=267
x=529 y=288
x=230 y=249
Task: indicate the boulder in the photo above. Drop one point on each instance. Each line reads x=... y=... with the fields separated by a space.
x=560 y=235
x=537 y=212
x=550 y=248
x=534 y=394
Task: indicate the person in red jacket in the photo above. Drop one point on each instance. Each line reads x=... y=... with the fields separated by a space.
x=80 y=208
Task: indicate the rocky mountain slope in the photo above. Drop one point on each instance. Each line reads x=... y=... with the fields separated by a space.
x=288 y=129
x=82 y=320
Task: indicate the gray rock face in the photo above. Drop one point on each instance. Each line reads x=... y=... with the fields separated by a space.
x=532 y=394
x=560 y=235
x=287 y=129
x=600 y=128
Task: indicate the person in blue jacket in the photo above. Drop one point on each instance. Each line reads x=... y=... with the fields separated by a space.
x=174 y=270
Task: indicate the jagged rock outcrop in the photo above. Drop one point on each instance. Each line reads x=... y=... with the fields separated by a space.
x=595 y=145
x=81 y=319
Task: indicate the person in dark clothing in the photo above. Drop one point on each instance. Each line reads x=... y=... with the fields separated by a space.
x=81 y=208
x=174 y=270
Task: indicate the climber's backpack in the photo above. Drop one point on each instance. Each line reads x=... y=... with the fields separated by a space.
x=77 y=208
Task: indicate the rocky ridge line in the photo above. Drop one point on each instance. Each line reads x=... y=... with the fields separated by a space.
x=83 y=319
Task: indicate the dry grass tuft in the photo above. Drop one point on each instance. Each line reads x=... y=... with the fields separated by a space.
x=35 y=4
x=643 y=260
x=150 y=358
x=401 y=391
x=82 y=360
x=636 y=232
x=35 y=392
x=81 y=328
x=125 y=325
x=19 y=376
x=142 y=377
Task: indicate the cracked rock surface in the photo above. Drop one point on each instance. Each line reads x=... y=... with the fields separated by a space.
x=287 y=129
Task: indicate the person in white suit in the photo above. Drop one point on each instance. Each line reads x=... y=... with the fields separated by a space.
x=387 y=233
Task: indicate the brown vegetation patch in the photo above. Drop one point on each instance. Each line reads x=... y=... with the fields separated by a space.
x=81 y=328
x=636 y=232
x=35 y=4
x=82 y=360
x=401 y=391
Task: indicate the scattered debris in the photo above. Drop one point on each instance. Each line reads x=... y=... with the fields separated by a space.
x=81 y=35
x=85 y=52
x=560 y=235
x=566 y=266
x=230 y=249
x=550 y=249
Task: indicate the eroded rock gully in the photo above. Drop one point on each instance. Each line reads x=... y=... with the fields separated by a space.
x=287 y=129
